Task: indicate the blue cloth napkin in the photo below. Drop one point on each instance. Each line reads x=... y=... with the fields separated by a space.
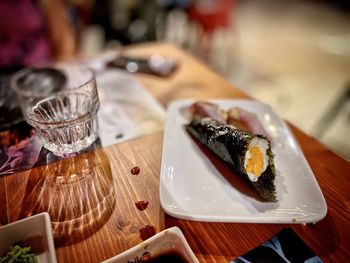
x=286 y=246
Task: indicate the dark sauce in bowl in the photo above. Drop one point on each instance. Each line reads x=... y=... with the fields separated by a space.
x=168 y=257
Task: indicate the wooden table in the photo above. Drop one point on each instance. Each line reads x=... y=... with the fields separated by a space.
x=91 y=198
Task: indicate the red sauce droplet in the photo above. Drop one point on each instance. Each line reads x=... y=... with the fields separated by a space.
x=147 y=231
x=135 y=170
x=141 y=205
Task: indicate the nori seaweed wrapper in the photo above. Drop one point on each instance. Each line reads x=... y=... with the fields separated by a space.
x=231 y=144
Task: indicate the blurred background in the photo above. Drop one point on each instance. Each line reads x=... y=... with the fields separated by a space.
x=291 y=54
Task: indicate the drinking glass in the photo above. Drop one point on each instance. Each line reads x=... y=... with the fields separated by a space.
x=61 y=103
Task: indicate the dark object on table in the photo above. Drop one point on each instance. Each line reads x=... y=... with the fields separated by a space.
x=42 y=80
x=156 y=65
x=10 y=113
x=248 y=154
x=286 y=246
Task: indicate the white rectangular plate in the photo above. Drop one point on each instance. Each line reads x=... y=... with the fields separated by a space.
x=192 y=187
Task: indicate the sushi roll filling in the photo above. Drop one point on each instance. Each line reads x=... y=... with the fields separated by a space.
x=256 y=159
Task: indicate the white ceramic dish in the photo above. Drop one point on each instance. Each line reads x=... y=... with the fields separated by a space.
x=171 y=239
x=191 y=186
x=36 y=231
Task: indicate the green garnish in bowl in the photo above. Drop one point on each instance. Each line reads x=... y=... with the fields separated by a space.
x=18 y=254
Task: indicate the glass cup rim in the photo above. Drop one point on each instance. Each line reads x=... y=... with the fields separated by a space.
x=22 y=72
x=67 y=122
x=60 y=67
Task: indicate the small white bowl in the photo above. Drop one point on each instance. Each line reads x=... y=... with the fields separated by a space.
x=35 y=231
x=170 y=240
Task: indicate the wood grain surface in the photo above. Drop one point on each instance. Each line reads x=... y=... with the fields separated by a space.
x=91 y=197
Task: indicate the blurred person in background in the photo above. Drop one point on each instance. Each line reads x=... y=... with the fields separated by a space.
x=31 y=32
x=34 y=31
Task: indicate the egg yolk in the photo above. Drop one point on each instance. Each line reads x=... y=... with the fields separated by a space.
x=255 y=162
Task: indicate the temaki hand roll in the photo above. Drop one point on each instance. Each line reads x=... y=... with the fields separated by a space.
x=248 y=154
